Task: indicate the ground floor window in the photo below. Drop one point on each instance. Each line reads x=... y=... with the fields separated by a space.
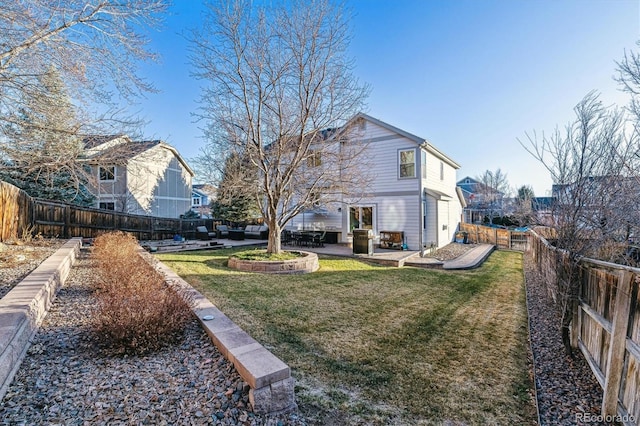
x=360 y=217
x=107 y=206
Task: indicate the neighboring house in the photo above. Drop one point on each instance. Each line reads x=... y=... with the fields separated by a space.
x=201 y=197
x=147 y=177
x=543 y=210
x=413 y=190
x=606 y=204
x=482 y=201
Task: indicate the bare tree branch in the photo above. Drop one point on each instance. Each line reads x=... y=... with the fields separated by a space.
x=278 y=78
x=594 y=164
x=95 y=50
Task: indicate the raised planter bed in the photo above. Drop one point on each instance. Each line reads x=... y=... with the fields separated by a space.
x=306 y=263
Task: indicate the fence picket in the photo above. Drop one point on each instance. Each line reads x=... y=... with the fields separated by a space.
x=613 y=375
x=21 y=213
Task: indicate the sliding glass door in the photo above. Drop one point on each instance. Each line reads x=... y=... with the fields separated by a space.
x=361 y=217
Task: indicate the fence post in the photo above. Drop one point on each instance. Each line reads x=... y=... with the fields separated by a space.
x=67 y=221
x=613 y=375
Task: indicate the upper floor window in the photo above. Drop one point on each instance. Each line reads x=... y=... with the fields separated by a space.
x=407 y=159
x=195 y=201
x=314 y=159
x=423 y=165
x=108 y=173
x=441 y=170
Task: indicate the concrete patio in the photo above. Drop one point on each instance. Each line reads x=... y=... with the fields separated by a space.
x=398 y=258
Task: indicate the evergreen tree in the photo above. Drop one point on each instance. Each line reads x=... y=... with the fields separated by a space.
x=43 y=147
x=234 y=204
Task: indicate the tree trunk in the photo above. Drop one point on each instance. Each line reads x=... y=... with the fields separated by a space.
x=572 y=291
x=273 y=245
x=566 y=334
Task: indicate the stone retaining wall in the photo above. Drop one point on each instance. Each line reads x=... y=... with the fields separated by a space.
x=272 y=387
x=25 y=306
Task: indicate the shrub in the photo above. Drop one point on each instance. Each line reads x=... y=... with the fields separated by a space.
x=136 y=311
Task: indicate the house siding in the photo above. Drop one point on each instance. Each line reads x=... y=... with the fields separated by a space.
x=384 y=159
x=443 y=215
x=399 y=202
x=154 y=182
x=169 y=182
x=401 y=214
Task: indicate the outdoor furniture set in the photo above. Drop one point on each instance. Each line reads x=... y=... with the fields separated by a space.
x=223 y=231
x=304 y=238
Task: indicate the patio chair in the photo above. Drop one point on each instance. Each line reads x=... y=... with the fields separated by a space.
x=222 y=231
x=285 y=238
x=202 y=233
x=317 y=240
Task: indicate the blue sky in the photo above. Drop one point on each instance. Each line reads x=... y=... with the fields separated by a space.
x=469 y=76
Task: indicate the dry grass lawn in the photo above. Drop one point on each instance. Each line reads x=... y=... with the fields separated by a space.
x=379 y=345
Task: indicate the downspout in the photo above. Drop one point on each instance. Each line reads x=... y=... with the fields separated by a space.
x=437 y=225
x=422 y=207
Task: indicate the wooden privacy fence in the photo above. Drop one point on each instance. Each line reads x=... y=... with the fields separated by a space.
x=21 y=214
x=606 y=325
x=502 y=238
x=16 y=211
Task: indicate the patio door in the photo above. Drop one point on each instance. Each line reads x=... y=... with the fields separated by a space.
x=362 y=217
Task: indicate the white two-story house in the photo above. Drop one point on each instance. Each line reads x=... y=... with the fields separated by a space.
x=412 y=190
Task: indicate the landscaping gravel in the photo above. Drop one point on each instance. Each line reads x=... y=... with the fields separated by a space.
x=65 y=380
x=568 y=392
x=451 y=251
x=17 y=260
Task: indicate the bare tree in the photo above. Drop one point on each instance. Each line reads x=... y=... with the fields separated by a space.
x=95 y=50
x=593 y=163
x=629 y=79
x=523 y=210
x=279 y=81
x=492 y=189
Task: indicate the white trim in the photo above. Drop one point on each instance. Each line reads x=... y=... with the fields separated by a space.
x=162 y=197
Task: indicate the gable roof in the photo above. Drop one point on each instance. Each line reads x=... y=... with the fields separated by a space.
x=120 y=148
x=422 y=142
x=464 y=180
x=204 y=189
x=94 y=141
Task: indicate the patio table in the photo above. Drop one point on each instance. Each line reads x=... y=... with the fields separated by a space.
x=236 y=234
